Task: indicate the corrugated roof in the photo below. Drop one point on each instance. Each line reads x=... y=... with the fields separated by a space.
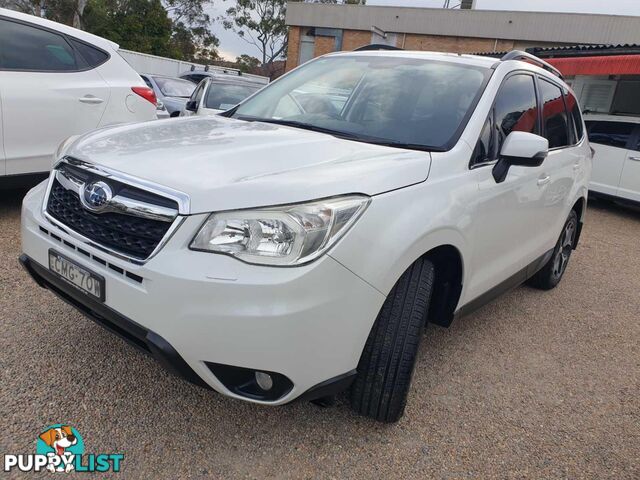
x=574 y=51
x=569 y=28
x=586 y=50
x=588 y=59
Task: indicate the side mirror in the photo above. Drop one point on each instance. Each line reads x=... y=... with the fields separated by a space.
x=520 y=149
x=192 y=106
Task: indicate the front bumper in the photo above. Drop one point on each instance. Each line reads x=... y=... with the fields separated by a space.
x=190 y=309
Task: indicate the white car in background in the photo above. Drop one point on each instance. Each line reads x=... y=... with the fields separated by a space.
x=214 y=96
x=616 y=163
x=57 y=82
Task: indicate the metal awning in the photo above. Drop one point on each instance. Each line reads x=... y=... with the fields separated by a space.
x=601 y=65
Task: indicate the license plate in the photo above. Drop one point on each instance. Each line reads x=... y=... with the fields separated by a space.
x=84 y=280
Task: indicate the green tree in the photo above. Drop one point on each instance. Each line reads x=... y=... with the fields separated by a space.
x=246 y=63
x=261 y=24
x=140 y=25
x=145 y=26
x=339 y=2
x=175 y=28
x=192 y=28
x=68 y=12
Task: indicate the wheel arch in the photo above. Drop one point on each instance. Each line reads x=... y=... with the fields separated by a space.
x=448 y=267
x=447 y=288
x=580 y=207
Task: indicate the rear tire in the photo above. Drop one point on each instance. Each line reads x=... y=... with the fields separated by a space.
x=386 y=365
x=549 y=276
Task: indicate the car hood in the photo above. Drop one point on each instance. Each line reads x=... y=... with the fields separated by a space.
x=223 y=163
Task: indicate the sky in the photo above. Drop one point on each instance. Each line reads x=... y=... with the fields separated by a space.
x=231 y=45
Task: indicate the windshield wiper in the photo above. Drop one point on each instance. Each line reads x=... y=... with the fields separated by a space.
x=346 y=135
x=306 y=126
x=406 y=146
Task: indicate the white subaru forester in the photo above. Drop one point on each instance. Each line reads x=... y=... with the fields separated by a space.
x=298 y=247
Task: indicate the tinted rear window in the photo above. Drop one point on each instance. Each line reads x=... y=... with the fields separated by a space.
x=613 y=134
x=93 y=56
x=554 y=115
x=23 y=47
x=574 y=109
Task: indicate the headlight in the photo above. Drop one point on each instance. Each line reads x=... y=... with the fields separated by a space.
x=284 y=236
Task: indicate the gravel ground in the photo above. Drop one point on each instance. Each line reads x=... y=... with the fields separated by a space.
x=535 y=385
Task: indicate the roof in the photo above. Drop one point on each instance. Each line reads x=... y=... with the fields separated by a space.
x=585 y=50
x=588 y=59
x=67 y=30
x=572 y=28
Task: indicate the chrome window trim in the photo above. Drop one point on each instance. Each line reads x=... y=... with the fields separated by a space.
x=181 y=198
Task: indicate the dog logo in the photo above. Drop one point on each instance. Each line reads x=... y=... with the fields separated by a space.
x=97 y=195
x=62 y=441
x=60 y=448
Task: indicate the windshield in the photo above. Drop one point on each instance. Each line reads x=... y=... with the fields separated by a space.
x=224 y=97
x=174 y=87
x=400 y=101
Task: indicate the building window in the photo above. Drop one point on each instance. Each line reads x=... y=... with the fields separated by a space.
x=627 y=98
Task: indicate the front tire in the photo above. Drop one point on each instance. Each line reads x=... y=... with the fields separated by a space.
x=549 y=276
x=388 y=359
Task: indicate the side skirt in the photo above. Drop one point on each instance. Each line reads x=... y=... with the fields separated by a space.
x=627 y=202
x=509 y=284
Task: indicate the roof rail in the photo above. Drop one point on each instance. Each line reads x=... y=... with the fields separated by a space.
x=520 y=55
x=377 y=46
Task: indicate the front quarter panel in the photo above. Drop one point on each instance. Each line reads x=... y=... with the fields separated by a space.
x=401 y=226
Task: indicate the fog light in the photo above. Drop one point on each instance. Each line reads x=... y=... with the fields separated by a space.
x=264 y=381
x=250 y=383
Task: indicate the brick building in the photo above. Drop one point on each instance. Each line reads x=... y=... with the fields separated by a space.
x=316 y=29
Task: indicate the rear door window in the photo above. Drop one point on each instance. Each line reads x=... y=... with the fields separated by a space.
x=27 y=48
x=554 y=115
x=613 y=134
x=574 y=110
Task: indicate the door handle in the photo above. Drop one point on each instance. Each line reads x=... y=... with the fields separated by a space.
x=544 y=180
x=635 y=159
x=576 y=166
x=90 y=99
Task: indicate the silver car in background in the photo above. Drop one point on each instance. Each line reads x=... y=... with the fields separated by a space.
x=214 y=96
x=172 y=93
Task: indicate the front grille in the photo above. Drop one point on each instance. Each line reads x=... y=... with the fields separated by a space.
x=132 y=236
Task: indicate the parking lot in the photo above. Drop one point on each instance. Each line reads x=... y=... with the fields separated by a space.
x=536 y=385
